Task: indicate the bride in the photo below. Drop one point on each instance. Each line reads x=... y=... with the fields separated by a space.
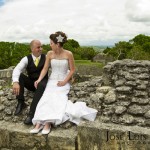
x=54 y=106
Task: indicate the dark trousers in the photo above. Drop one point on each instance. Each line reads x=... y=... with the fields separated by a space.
x=26 y=82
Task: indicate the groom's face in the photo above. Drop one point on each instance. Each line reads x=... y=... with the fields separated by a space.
x=37 y=48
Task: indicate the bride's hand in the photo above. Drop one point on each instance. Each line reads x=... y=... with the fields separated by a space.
x=61 y=83
x=36 y=83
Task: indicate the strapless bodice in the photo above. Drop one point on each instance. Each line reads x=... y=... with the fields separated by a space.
x=59 y=68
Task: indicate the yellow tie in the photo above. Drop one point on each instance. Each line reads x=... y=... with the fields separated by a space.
x=36 y=62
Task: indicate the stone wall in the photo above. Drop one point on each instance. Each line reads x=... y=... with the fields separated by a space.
x=121 y=96
x=103 y=58
x=128 y=101
x=81 y=91
x=6 y=73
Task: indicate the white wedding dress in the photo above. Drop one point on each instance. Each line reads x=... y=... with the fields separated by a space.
x=54 y=105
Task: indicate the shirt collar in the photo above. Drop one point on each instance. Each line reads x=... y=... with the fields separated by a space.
x=35 y=57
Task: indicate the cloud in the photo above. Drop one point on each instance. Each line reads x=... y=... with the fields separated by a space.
x=87 y=21
x=138 y=10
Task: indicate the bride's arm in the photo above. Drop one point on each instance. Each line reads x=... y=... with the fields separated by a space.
x=71 y=67
x=44 y=70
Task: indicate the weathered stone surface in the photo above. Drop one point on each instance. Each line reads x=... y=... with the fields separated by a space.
x=136 y=109
x=141 y=82
x=110 y=97
x=102 y=136
x=140 y=121
x=6 y=73
x=97 y=97
x=123 y=103
x=139 y=70
x=127 y=119
x=109 y=110
x=103 y=89
x=140 y=100
x=143 y=76
x=147 y=122
x=130 y=83
x=147 y=114
x=17 y=137
x=121 y=95
x=1 y=93
x=140 y=93
x=120 y=82
x=2 y=82
x=141 y=87
x=120 y=109
x=124 y=89
x=2 y=107
x=130 y=77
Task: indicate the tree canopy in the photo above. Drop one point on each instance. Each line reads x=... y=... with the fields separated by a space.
x=12 y=52
x=137 y=48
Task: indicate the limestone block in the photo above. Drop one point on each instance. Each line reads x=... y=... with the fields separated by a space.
x=136 y=110
x=140 y=100
x=140 y=93
x=143 y=76
x=105 y=136
x=17 y=137
x=4 y=136
x=120 y=82
x=139 y=70
x=125 y=89
x=97 y=97
x=110 y=97
x=1 y=93
x=145 y=82
x=127 y=119
x=103 y=89
x=147 y=114
x=120 y=109
x=123 y=103
x=130 y=83
x=141 y=87
x=2 y=82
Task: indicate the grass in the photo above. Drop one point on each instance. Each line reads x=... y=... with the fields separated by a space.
x=88 y=63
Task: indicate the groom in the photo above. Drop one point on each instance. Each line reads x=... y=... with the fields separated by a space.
x=33 y=64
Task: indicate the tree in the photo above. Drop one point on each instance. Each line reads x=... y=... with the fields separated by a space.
x=73 y=43
x=140 y=39
x=120 y=50
x=146 y=47
x=106 y=50
x=137 y=53
x=12 y=52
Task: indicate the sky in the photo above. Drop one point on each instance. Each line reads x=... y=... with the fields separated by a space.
x=90 y=22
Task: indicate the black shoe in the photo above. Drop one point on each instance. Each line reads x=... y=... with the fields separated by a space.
x=28 y=120
x=19 y=108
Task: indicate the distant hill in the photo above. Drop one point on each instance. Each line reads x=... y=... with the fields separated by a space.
x=98 y=48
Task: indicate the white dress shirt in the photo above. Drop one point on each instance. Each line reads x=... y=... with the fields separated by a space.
x=21 y=66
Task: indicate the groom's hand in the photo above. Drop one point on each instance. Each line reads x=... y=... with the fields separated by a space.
x=16 y=88
x=36 y=84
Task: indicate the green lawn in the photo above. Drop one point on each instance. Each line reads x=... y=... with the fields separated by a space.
x=88 y=63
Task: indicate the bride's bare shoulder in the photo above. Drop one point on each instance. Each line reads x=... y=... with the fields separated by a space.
x=50 y=54
x=68 y=52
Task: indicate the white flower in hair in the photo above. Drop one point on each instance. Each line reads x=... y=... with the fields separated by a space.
x=60 y=38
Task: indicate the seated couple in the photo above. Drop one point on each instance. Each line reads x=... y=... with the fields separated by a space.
x=50 y=103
